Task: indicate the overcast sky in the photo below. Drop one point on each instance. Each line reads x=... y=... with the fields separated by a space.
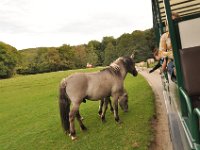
x=36 y=23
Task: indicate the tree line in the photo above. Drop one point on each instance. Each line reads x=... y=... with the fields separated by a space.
x=48 y=59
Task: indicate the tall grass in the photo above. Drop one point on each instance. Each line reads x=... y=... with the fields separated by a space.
x=29 y=116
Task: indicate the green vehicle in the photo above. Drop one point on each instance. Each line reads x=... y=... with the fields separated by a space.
x=184 y=108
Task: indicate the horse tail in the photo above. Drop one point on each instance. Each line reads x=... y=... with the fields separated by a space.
x=64 y=104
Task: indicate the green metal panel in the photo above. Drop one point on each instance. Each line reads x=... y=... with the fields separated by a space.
x=191 y=117
x=176 y=54
x=186 y=107
x=155 y=25
x=192 y=16
x=159 y=17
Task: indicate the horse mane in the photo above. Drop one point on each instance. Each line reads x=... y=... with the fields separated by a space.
x=125 y=62
x=112 y=70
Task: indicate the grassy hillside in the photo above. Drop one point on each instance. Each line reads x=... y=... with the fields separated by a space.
x=29 y=116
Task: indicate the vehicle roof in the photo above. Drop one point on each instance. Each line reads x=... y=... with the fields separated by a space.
x=182 y=7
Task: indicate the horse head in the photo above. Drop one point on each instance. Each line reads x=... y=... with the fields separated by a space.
x=126 y=63
x=123 y=102
x=130 y=65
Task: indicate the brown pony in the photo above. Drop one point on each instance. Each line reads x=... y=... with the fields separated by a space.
x=103 y=105
x=93 y=86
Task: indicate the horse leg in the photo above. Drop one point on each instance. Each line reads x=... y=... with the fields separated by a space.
x=72 y=114
x=79 y=118
x=115 y=104
x=100 y=106
x=104 y=110
x=111 y=107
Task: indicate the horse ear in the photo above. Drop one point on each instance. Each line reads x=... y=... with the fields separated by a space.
x=125 y=94
x=133 y=54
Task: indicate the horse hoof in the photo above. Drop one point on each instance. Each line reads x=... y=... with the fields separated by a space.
x=73 y=138
x=99 y=113
x=119 y=122
x=103 y=120
x=67 y=133
x=83 y=128
x=82 y=118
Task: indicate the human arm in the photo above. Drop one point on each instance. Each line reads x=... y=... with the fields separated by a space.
x=155 y=67
x=168 y=54
x=165 y=48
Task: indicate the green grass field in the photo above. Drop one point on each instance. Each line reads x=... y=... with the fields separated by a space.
x=29 y=116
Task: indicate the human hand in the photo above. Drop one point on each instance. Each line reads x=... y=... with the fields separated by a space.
x=161 y=71
x=150 y=71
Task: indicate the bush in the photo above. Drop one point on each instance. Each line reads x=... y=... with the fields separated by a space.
x=8 y=60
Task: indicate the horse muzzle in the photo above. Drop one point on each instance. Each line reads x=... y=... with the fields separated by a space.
x=125 y=110
x=135 y=73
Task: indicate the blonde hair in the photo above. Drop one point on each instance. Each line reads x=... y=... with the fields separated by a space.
x=155 y=52
x=175 y=15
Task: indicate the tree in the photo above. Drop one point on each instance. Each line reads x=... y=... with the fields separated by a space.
x=80 y=56
x=140 y=42
x=45 y=59
x=67 y=56
x=40 y=64
x=8 y=60
x=53 y=59
x=151 y=41
x=106 y=40
x=110 y=54
x=97 y=48
x=125 y=45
